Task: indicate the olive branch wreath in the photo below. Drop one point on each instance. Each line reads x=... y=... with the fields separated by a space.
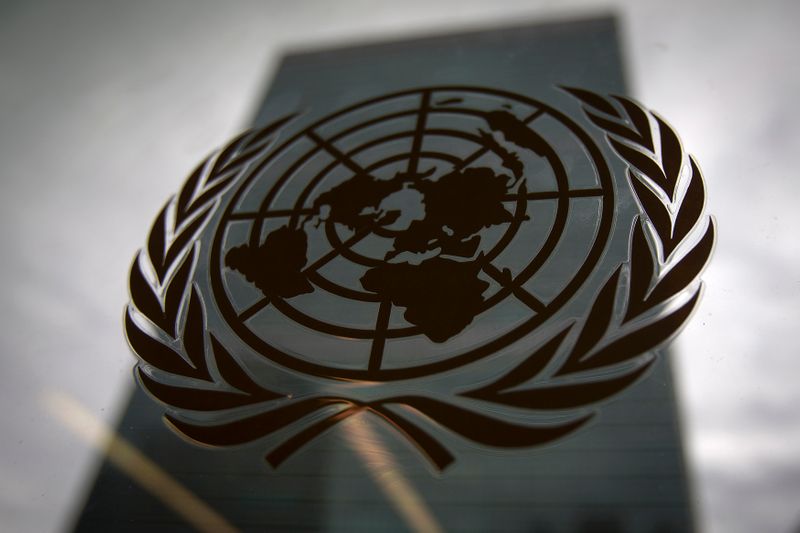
x=640 y=306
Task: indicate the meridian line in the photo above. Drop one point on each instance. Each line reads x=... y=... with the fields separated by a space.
x=585 y=193
x=416 y=146
x=336 y=153
x=248 y=313
x=533 y=116
x=506 y=282
x=379 y=341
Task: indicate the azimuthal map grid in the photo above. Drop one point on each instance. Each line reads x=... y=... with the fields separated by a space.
x=407 y=229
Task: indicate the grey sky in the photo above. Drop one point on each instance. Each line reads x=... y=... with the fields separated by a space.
x=105 y=106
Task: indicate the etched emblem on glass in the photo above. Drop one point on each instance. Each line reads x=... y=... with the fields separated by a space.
x=434 y=255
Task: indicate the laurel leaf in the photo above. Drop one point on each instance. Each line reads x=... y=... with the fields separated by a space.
x=194 y=333
x=224 y=164
x=525 y=371
x=254 y=427
x=175 y=292
x=194 y=398
x=181 y=242
x=182 y=210
x=484 y=429
x=156 y=243
x=684 y=272
x=226 y=153
x=429 y=446
x=145 y=298
x=641 y=340
x=641 y=162
x=234 y=375
x=638 y=117
x=653 y=207
x=211 y=192
x=642 y=271
x=592 y=99
x=277 y=456
x=154 y=352
x=614 y=128
x=691 y=209
x=598 y=320
x=570 y=395
x=671 y=156
x=243 y=159
x=261 y=135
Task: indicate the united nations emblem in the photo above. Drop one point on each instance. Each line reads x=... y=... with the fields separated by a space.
x=441 y=258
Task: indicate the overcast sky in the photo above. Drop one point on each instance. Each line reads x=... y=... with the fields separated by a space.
x=97 y=126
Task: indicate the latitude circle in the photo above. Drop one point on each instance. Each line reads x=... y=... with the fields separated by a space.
x=471 y=354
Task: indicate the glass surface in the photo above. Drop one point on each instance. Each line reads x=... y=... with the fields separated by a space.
x=473 y=297
x=104 y=110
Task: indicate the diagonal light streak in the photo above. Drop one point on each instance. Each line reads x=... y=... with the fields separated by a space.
x=135 y=464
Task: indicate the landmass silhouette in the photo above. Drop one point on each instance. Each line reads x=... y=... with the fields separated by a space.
x=440 y=295
x=457 y=206
x=276 y=266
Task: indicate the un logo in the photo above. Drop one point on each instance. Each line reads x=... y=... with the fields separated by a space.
x=414 y=235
